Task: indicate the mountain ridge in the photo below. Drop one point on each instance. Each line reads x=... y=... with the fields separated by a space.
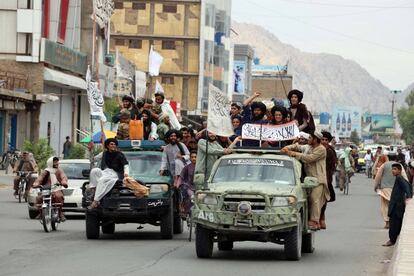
x=326 y=79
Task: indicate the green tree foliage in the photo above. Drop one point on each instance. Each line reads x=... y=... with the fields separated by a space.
x=406 y=118
x=355 y=137
x=77 y=152
x=41 y=151
x=111 y=107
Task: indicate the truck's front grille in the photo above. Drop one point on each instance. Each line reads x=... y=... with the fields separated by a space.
x=231 y=201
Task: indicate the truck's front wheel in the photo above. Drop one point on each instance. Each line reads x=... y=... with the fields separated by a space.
x=167 y=223
x=204 y=242
x=293 y=242
x=92 y=224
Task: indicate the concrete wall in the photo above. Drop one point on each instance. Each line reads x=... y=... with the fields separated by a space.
x=60 y=115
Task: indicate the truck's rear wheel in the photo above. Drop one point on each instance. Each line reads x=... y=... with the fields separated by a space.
x=108 y=228
x=92 y=224
x=204 y=242
x=293 y=242
x=178 y=224
x=308 y=241
x=167 y=224
x=225 y=245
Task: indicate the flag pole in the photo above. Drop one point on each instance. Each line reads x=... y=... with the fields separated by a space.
x=205 y=186
x=96 y=56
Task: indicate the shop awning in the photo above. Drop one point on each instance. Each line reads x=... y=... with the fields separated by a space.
x=63 y=79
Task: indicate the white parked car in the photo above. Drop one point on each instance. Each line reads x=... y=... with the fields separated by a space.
x=73 y=194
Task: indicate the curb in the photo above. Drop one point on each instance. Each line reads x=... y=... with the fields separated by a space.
x=403 y=257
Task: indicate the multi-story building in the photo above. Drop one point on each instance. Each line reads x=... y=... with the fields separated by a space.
x=21 y=76
x=191 y=35
x=272 y=81
x=42 y=72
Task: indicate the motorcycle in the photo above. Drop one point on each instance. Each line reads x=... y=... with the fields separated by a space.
x=9 y=158
x=50 y=210
x=21 y=192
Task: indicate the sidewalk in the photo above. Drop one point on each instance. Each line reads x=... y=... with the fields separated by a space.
x=6 y=180
x=403 y=258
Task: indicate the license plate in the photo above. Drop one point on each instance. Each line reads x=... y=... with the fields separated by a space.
x=46 y=192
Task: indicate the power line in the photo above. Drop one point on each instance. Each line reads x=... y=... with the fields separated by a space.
x=333 y=32
x=325 y=15
x=346 y=5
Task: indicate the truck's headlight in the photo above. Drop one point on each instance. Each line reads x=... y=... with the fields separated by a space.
x=207 y=199
x=159 y=188
x=283 y=201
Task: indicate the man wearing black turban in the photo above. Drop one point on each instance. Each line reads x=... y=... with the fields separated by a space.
x=254 y=113
x=299 y=111
x=127 y=104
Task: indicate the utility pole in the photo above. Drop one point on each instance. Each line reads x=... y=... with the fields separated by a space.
x=394 y=92
x=393 y=101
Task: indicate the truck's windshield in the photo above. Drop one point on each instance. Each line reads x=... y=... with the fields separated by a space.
x=141 y=164
x=255 y=170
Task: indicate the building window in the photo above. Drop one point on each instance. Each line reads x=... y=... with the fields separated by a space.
x=139 y=6
x=119 y=42
x=167 y=80
x=119 y=5
x=135 y=43
x=168 y=45
x=169 y=8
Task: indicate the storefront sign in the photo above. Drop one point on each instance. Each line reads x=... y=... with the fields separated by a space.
x=9 y=105
x=63 y=57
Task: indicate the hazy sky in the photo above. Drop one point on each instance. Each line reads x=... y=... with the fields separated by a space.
x=378 y=34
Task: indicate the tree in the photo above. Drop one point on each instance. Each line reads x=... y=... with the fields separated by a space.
x=77 y=152
x=410 y=98
x=355 y=137
x=406 y=118
x=41 y=151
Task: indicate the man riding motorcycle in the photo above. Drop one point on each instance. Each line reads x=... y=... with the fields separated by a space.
x=48 y=178
x=26 y=164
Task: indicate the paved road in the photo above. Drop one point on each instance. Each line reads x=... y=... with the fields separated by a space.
x=350 y=246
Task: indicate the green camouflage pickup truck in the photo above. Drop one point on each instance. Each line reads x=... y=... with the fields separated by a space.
x=254 y=196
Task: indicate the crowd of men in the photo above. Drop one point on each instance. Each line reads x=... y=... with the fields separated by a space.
x=189 y=154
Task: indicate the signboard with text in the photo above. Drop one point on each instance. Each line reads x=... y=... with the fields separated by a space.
x=63 y=57
x=283 y=132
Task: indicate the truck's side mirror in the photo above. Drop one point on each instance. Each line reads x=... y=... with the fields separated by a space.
x=86 y=173
x=310 y=182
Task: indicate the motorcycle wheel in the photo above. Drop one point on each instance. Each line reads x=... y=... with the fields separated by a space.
x=54 y=219
x=19 y=194
x=46 y=219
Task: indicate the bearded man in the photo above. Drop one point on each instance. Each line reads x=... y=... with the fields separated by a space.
x=208 y=154
x=175 y=154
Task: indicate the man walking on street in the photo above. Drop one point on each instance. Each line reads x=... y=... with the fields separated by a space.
x=400 y=192
x=315 y=166
x=383 y=184
x=67 y=146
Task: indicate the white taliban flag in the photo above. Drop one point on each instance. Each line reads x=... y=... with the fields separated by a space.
x=154 y=63
x=95 y=97
x=140 y=84
x=218 y=120
x=103 y=10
